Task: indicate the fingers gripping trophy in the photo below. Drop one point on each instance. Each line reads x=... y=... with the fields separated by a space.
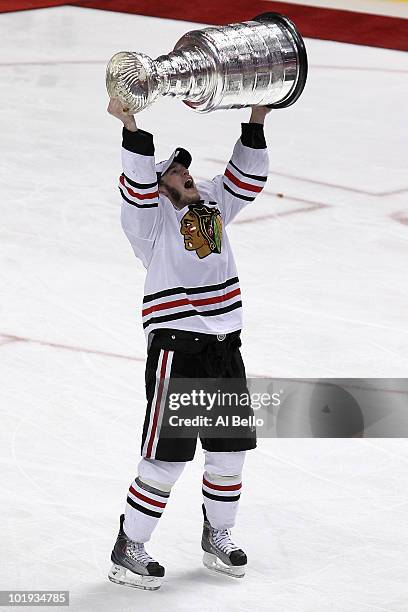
x=192 y=309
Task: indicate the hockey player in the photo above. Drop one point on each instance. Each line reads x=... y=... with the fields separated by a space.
x=192 y=321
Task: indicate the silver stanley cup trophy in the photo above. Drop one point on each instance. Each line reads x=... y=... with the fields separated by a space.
x=257 y=62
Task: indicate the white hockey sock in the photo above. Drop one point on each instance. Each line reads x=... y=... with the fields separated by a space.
x=221 y=495
x=222 y=483
x=148 y=495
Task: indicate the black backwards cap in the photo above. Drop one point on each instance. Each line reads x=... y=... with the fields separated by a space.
x=180 y=155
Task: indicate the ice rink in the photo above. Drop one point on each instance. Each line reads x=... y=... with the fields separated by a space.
x=322 y=259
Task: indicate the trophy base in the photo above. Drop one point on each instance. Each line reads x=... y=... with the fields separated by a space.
x=300 y=81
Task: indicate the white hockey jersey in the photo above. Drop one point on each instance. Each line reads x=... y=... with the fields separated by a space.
x=192 y=282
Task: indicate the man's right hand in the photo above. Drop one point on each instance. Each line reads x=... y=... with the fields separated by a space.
x=115 y=108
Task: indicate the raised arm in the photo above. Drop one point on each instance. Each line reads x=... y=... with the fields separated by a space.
x=137 y=184
x=246 y=172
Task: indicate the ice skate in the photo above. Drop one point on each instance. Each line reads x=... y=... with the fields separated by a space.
x=132 y=566
x=220 y=553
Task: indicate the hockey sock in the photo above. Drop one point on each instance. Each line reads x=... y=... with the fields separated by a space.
x=222 y=483
x=148 y=496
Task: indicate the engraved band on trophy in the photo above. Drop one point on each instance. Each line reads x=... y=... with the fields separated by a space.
x=257 y=62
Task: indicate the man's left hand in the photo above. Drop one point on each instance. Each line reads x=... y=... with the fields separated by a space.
x=258 y=114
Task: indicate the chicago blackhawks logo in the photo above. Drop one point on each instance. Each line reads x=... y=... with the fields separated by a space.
x=201 y=228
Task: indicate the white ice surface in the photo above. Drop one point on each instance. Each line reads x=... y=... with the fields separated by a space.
x=325 y=294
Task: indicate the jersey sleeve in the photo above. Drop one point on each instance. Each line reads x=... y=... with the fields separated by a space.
x=140 y=213
x=246 y=172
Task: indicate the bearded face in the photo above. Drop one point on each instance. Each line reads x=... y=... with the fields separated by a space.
x=179 y=186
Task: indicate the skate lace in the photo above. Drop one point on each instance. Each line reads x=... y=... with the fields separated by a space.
x=136 y=551
x=222 y=539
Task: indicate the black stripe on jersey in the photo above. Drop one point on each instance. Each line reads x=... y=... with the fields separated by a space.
x=221 y=497
x=192 y=313
x=252 y=176
x=238 y=195
x=137 y=205
x=142 y=508
x=190 y=290
x=139 y=185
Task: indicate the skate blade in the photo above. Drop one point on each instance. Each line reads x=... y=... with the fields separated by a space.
x=214 y=564
x=121 y=575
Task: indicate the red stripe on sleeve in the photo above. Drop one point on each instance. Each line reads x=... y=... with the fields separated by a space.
x=241 y=184
x=139 y=196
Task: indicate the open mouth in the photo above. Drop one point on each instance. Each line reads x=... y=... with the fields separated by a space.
x=189 y=183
